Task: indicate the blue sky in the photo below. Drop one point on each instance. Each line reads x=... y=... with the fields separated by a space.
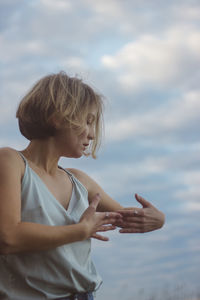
x=144 y=57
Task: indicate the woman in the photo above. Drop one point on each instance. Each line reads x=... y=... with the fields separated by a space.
x=48 y=214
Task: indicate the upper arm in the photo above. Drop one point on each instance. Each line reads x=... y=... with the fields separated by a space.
x=106 y=203
x=10 y=188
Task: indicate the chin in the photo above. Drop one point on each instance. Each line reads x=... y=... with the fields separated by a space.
x=76 y=155
x=73 y=154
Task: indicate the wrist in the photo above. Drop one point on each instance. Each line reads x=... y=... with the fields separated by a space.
x=83 y=231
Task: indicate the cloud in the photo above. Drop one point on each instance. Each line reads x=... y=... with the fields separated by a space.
x=75 y=63
x=59 y=5
x=191 y=205
x=187 y=12
x=143 y=55
x=190 y=193
x=16 y=143
x=166 y=122
x=107 y=9
x=164 y=61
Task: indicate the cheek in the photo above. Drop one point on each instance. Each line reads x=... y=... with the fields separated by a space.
x=83 y=133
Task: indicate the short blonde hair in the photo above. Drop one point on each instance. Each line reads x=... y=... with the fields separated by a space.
x=59 y=96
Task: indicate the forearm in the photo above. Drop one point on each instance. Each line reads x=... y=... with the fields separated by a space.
x=31 y=237
x=110 y=205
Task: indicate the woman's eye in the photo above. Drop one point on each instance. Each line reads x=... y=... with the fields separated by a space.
x=90 y=119
x=89 y=122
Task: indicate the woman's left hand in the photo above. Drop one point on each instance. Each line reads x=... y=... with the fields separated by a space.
x=140 y=220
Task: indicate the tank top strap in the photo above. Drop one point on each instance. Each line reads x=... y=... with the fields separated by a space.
x=23 y=157
x=71 y=176
x=75 y=181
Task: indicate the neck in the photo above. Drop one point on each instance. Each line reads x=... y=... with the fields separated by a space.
x=43 y=154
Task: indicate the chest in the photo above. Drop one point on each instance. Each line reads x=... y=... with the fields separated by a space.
x=60 y=186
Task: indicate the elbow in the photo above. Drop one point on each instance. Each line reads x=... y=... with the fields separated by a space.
x=6 y=244
x=4 y=248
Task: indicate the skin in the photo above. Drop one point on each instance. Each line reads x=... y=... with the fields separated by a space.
x=103 y=213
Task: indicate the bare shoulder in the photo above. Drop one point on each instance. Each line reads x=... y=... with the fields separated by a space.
x=90 y=184
x=10 y=160
x=81 y=176
x=7 y=153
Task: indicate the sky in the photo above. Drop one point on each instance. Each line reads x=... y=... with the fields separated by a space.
x=144 y=57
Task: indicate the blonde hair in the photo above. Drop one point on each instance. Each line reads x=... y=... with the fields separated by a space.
x=68 y=99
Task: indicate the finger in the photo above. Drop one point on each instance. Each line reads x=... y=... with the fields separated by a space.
x=95 y=201
x=100 y=237
x=132 y=226
x=137 y=229
x=139 y=212
x=131 y=222
x=106 y=228
x=110 y=221
x=133 y=219
x=131 y=230
x=111 y=215
x=142 y=201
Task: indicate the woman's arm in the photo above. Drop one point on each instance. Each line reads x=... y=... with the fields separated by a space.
x=135 y=219
x=17 y=236
x=106 y=203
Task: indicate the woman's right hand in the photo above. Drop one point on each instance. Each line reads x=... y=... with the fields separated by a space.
x=98 y=221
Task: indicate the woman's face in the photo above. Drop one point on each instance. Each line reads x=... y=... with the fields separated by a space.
x=74 y=144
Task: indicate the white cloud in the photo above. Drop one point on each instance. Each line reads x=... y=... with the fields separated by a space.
x=24 y=47
x=107 y=9
x=157 y=60
x=7 y=113
x=187 y=11
x=74 y=62
x=161 y=49
x=58 y=5
x=193 y=206
x=163 y=122
x=16 y=143
x=134 y=176
x=189 y=195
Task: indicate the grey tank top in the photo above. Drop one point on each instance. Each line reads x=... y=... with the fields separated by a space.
x=55 y=273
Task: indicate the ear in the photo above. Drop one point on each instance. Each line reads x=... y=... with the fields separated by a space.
x=55 y=121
